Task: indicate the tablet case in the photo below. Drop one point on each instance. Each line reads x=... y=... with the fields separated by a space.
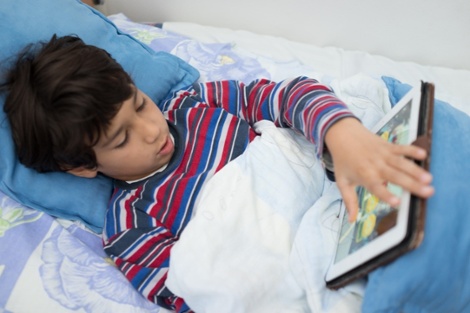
x=415 y=232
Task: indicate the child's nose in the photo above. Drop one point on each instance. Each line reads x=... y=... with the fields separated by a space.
x=149 y=131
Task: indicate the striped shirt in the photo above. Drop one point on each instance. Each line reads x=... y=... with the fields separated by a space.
x=211 y=124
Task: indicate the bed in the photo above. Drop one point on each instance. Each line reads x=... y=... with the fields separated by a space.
x=51 y=258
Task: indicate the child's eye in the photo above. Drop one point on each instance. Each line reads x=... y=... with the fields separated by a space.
x=124 y=142
x=142 y=105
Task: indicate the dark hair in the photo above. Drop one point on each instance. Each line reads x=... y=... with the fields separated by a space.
x=62 y=95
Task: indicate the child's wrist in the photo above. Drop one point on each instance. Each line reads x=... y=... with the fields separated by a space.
x=335 y=131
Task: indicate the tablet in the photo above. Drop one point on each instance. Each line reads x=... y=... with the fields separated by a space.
x=381 y=232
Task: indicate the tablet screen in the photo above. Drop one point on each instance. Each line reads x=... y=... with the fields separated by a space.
x=375 y=217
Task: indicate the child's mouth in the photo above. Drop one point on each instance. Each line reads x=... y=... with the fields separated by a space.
x=167 y=147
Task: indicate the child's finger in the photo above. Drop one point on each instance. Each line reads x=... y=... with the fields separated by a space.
x=348 y=192
x=410 y=151
x=416 y=184
x=404 y=166
x=406 y=173
x=381 y=191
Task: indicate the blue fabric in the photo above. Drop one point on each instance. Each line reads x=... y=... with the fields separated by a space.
x=156 y=73
x=436 y=276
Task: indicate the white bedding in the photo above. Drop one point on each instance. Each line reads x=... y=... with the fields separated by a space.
x=283 y=58
x=236 y=252
x=264 y=229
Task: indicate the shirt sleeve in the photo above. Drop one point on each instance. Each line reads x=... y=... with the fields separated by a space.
x=302 y=104
x=142 y=254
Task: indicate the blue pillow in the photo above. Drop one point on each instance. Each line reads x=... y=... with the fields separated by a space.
x=436 y=276
x=156 y=73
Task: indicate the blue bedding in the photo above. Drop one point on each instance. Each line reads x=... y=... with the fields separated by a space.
x=436 y=276
x=23 y=24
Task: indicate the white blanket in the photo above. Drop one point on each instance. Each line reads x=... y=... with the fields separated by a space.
x=264 y=230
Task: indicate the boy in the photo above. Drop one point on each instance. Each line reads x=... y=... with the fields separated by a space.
x=72 y=108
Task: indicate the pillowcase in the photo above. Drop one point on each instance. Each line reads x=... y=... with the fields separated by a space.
x=214 y=61
x=157 y=73
x=436 y=276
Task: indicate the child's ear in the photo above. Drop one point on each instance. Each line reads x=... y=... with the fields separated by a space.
x=83 y=172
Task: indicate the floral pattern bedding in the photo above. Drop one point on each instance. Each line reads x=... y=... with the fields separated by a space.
x=51 y=265
x=215 y=61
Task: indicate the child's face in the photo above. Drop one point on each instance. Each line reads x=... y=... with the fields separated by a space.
x=137 y=143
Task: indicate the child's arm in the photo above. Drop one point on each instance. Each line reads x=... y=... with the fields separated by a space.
x=302 y=104
x=363 y=158
x=360 y=157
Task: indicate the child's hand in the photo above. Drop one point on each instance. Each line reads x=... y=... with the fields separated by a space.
x=363 y=158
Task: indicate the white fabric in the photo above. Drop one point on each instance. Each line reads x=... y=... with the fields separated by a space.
x=365 y=96
x=234 y=255
x=263 y=233
x=284 y=58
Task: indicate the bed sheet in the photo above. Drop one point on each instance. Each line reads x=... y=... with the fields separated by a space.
x=283 y=58
x=52 y=265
